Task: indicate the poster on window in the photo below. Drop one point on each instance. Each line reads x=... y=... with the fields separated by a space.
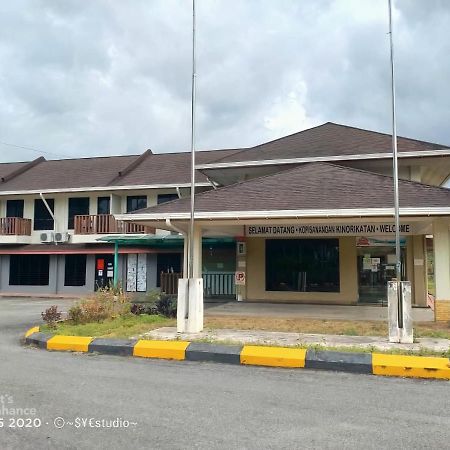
x=131 y=272
x=141 y=279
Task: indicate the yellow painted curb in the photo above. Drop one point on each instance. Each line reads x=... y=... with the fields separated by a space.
x=161 y=349
x=410 y=366
x=273 y=356
x=69 y=343
x=32 y=331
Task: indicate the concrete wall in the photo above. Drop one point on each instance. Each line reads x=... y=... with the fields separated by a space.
x=256 y=282
x=255 y=271
x=56 y=278
x=416 y=269
x=61 y=208
x=90 y=276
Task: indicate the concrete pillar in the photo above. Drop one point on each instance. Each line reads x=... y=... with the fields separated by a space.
x=441 y=244
x=185 y=255
x=190 y=291
x=197 y=272
x=420 y=275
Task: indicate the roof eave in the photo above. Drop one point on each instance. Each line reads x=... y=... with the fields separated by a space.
x=288 y=214
x=356 y=157
x=104 y=188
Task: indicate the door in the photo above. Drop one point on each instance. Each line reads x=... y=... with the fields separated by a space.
x=104 y=271
x=376 y=266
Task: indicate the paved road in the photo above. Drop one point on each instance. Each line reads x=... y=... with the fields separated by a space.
x=182 y=405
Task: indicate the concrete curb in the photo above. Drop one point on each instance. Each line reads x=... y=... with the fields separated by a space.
x=364 y=363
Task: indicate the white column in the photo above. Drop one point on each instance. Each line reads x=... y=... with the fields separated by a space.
x=441 y=245
x=190 y=291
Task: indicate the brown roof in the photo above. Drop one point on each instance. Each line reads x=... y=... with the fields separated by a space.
x=8 y=168
x=169 y=168
x=311 y=186
x=329 y=139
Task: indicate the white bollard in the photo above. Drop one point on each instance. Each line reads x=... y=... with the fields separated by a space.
x=404 y=334
x=190 y=305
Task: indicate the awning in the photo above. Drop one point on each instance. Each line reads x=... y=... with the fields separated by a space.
x=69 y=249
x=163 y=240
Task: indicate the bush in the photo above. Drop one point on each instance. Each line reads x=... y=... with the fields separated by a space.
x=141 y=308
x=167 y=305
x=51 y=315
x=106 y=303
x=75 y=314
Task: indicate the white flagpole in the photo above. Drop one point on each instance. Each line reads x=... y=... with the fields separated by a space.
x=398 y=263
x=193 y=89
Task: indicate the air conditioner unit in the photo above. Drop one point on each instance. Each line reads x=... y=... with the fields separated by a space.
x=47 y=237
x=62 y=237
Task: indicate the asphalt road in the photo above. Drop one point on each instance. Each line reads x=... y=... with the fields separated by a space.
x=183 y=405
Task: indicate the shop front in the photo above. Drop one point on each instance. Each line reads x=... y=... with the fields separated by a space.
x=327 y=263
x=320 y=233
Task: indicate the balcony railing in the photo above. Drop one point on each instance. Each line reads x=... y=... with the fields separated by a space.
x=15 y=226
x=106 y=224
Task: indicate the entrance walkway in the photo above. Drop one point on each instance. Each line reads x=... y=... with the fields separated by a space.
x=284 y=310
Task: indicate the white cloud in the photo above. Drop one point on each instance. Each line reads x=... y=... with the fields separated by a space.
x=84 y=78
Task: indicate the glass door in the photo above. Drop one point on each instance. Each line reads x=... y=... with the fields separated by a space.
x=376 y=266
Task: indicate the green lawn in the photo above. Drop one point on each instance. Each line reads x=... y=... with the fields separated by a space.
x=121 y=327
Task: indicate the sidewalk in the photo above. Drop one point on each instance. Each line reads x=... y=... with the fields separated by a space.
x=308 y=311
x=298 y=339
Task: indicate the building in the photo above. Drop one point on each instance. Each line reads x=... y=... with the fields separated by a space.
x=312 y=214
x=59 y=252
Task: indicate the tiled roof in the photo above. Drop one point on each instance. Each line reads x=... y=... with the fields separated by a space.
x=329 y=139
x=310 y=186
x=8 y=168
x=167 y=168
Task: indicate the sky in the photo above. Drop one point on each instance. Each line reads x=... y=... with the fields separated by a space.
x=102 y=77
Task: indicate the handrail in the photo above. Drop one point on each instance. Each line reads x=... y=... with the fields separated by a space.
x=107 y=224
x=15 y=226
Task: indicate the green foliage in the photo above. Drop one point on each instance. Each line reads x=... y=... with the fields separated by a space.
x=106 y=303
x=125 y=326
x=51 y=315
x=167 y=305
x=156 y=303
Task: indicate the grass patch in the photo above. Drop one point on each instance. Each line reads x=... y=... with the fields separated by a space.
x=323 y=326
x=120 y=327
x=298 y=325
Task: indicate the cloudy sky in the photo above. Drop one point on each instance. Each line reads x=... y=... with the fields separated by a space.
x=99 y=77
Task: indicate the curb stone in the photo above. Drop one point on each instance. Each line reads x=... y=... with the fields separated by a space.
x=363 y=363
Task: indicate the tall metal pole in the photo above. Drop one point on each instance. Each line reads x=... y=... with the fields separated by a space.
x=191 y=224
x=398 y=263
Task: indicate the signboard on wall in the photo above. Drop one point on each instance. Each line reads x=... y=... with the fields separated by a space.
x=323 y=229
x=239 y=278
x=378 y=242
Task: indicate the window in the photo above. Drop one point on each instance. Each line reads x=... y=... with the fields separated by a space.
x=78 y=206
x=163 y=198
x=75 y=270
x=302 y=265
x=103 y=205
x=14 y=208
x=136 y=202
x=29 y=270
x=42 y=218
